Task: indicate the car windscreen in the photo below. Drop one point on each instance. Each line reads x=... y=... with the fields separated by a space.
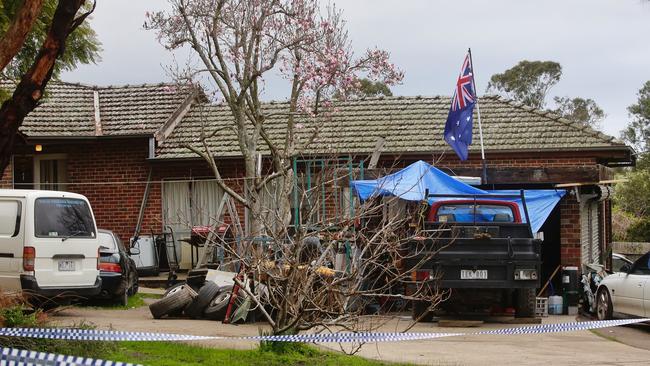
x=63 y=218
x=106 y=241
x=468 y=212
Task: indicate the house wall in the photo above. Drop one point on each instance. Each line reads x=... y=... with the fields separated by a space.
x=112 y=174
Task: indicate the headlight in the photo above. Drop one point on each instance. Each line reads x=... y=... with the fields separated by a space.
x=525 y=274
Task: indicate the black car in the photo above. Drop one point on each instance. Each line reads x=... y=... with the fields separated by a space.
x=117 y=269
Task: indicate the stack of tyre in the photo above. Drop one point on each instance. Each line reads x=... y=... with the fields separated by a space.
x=209 y=302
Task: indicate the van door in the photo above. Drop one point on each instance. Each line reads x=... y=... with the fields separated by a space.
x=12 y=236
x=66 y=243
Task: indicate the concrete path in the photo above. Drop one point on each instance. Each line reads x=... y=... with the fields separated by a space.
x=572 y=348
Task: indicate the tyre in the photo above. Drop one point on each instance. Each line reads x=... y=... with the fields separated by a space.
x=123 y=298
x=420 y=312
x=176 y=299
x=526 y=298
x=216 y=309
x=202 y=300
x=604 y=307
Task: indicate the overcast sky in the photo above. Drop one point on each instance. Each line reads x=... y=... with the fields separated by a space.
x=602 y=45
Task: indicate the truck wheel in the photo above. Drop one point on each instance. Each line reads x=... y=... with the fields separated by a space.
x=202 y=300
x=420 y=311
x=173 y=303
x=526 y=298
x=218 y=306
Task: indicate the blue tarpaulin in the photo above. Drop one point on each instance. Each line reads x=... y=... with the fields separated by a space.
x=412 y=182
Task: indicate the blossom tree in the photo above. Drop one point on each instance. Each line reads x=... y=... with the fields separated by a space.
x=240 y=43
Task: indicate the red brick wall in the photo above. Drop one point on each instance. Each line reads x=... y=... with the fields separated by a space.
x=6 y=180
x=570 y=231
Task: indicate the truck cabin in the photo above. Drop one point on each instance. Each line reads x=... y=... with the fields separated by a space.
x=474 y=211
x=478 y=218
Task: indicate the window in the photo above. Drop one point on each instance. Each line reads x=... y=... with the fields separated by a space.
x=474 y=213
x=63 y=217
x=642 y=265
x=106 y=240
x=50 y=172
x=10 y=218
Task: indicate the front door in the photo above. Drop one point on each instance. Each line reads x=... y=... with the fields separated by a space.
x=633 y=288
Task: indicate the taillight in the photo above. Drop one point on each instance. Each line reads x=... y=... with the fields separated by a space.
x=98 y=255
x=110 y=267
x=29 y=257
x=418 y=276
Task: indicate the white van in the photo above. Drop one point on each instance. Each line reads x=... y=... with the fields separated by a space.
x=48 y=244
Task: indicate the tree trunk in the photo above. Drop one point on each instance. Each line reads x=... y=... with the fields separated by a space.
x=32 y=85
x=14 y=38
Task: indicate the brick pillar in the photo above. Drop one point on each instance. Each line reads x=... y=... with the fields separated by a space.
x=6 y=181
x=570 y=231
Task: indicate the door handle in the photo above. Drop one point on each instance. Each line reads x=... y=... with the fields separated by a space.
x=6 y=255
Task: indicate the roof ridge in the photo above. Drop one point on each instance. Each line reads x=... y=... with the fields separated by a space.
x=554 y=116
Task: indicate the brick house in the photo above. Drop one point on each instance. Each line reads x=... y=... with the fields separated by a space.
x=107 y=143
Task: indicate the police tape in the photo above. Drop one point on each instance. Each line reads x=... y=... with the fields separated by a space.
x=344 y=337
x=20 y=357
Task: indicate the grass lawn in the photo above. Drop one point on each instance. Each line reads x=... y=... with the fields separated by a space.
x=176 y=354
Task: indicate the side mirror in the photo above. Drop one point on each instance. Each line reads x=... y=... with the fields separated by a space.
x=134 y=251
x=626 y=268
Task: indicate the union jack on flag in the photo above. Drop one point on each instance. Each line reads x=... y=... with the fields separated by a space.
x=464 y=93
x=458 y=129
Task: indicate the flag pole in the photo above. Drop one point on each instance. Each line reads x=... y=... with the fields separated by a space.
x=480 y=128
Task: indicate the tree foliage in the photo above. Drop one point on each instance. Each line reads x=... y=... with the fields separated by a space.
x=82 y=46
x=637 y=132
x=369 y=88
x=528 y=82
x=580 y=110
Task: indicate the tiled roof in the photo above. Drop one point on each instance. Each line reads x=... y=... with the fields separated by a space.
x=408 y=124
x=67 y=110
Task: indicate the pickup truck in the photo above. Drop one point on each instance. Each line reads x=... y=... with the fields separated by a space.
x=480 y=249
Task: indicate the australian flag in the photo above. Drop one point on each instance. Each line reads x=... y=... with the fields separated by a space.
x=458 y=130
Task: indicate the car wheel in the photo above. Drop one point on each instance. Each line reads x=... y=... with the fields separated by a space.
x=604 y=307
x=202 y=300
x=134 y=283
x=176 y=299
x=124 y=298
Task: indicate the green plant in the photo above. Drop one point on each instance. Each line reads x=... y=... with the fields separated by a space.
x=18 y=316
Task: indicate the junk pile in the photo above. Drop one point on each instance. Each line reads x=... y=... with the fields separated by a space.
x=214 y=296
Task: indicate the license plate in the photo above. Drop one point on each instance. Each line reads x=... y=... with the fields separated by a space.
x=479 y=274
x=66 y=266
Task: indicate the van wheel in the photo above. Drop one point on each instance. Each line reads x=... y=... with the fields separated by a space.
x=525 y=303
x=174 y=302
x=202 y=300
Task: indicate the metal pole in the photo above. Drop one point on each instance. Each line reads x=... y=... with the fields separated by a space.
x=478 y=111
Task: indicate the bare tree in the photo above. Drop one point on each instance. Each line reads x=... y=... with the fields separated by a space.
x=343 y=267
x=239 y=43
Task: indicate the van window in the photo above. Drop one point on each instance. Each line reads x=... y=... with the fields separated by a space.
x=63 y=217
x=10 y=218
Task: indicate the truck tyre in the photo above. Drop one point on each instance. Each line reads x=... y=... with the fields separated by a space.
x=419 y=308
x=217 y=308
x=526 y=298
x=202 y=300
x=173 y=303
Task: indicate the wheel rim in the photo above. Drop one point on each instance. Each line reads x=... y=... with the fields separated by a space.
x=603 y=305
x=175 y=290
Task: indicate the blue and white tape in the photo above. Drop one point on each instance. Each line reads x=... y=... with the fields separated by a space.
x=20 y=357
x=348 y=337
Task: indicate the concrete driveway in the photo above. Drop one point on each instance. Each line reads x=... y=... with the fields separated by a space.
x=571 y=348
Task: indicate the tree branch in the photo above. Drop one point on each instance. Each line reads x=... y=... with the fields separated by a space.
x=14 y=38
